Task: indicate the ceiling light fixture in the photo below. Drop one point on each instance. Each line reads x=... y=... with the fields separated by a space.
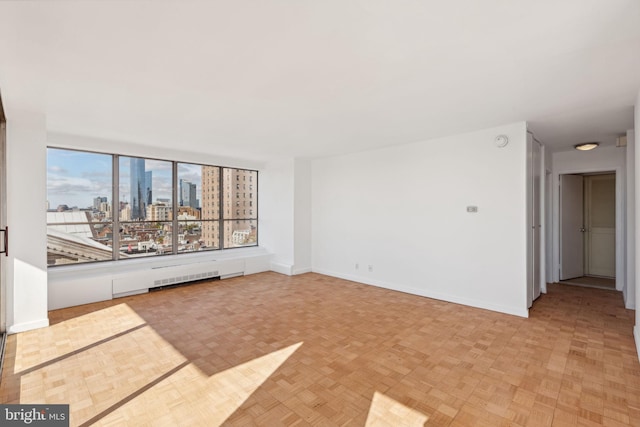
x=586 y=146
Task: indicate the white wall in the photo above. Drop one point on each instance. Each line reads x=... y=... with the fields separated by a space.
x=285 y=214
x=302 y=216
x=630 y=220
x=402 y=211
x=26 y=278
x=599 y=160
x=276 y=213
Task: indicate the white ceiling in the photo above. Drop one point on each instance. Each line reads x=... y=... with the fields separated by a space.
x=266 y=78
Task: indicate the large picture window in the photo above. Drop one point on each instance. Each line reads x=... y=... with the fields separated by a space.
x=104 y=207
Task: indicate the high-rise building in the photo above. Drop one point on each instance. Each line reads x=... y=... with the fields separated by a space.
x=97 y=201
x=125 y=213
x=240 y=204
x=238 y=196
x=107 y=211
x=210 y=206
x=188 y=194
x=104 y=207
x=138 y=188
x=148 y=186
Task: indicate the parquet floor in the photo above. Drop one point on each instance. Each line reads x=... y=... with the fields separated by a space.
x=273 y=350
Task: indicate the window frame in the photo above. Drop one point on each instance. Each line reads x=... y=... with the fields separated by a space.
x=115 y=221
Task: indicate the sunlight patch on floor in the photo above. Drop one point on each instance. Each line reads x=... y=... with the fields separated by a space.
x=189 y=398
x=40 y=346
x=385 y=412
x=113 y=369
x=99 y=377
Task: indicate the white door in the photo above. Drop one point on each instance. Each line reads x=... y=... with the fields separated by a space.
x=571 y=227
x=600 y=221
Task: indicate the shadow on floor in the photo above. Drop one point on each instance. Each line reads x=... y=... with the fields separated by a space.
x=591 y=282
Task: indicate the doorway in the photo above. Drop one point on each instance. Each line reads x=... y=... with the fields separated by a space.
x=588 y=229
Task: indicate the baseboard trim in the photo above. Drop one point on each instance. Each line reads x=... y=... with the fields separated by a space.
x=130 y=293
x=28 y=326
x=282 y=268
x=630 y=304
x=301 y=271
x=427 y=293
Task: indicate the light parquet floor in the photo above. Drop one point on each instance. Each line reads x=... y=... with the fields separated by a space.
x=272 y=350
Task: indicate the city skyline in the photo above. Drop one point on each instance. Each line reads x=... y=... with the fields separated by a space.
x=76 y=178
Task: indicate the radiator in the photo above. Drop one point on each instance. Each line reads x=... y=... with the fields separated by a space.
x=141 y=281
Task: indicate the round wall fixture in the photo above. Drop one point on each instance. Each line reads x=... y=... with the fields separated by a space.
x=501 y=141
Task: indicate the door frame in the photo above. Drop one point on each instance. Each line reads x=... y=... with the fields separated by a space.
x=3 y=215
x=621 y=250
x=535 y=192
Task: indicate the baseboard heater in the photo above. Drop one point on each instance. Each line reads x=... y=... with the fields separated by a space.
x=186 y=278
x=165 y=276
x=180 y=284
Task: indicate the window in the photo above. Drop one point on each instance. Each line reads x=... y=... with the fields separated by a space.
x=199 y=225
x=239 y=229
x=79 y=207
x=152 y=215
x=146 y=207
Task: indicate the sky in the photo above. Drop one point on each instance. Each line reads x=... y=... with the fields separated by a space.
x=75 y=178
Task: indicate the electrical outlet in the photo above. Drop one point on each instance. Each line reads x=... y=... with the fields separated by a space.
x=370 y=268
x=357 y=266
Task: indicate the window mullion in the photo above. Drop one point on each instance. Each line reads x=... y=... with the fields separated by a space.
x=174 y=208
x=221 y=202
x=115 y=207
